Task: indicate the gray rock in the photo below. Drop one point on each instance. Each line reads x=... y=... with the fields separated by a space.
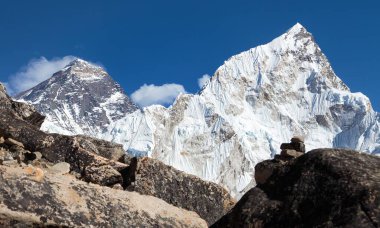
x=297 y=139
x=3 y=92
x=265 y=169
x=103 y=148
x=103 y=175
x=298 y=146
x=3 y=153
x=118 y=187
x=291 y=153
x=31 y=197
x=60 y=168
x=323 y=188
x=38 y=155
x=152 y=177
x=12 y=142
x=285 y=146
x=10 y=163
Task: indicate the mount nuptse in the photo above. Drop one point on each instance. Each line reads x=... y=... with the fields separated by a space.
x=255 y=101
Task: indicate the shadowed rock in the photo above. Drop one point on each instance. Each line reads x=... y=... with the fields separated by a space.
x=101 y=147
x=323 y=188
x=152 y=177
x=19 y=110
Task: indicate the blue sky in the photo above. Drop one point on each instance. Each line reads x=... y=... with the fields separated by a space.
x=159 y=42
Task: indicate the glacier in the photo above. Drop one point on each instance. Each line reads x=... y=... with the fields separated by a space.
x=255 y=101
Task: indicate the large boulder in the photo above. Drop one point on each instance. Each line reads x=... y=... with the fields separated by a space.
x=101 y=147
x=34 y=197
x=152 y=177
x=323 y=188
x=57 y=148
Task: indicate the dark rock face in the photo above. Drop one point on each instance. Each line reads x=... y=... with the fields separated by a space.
x=152 y=177
x=323 y=188
x=19 y=110
x=103 y=148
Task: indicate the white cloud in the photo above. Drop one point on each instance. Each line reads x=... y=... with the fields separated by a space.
x=152 y=94
x=203 y=80
x=36 y=71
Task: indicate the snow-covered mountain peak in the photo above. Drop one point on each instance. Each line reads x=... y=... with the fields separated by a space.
x=84 y=70
x=79 y=99
x=80 y=63
x=292 y=61
x=297 y=28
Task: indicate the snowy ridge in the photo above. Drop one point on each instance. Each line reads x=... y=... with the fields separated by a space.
x=255 y=101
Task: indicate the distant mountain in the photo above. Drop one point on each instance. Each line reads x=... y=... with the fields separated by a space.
x=79 y=99
x=255 y=101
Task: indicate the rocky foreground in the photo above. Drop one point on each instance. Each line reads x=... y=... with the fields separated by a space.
x=32 y=196
x=323 y=188
x=52 y=179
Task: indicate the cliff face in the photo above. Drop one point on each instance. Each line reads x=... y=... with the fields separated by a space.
x=323 y=188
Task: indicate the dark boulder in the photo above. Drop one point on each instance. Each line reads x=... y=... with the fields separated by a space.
x=101 y=147
x=298 y=146
x=323 y=188
x=152 y=177
x=19 y=110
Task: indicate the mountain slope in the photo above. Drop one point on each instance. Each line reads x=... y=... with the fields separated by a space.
x=255 y=101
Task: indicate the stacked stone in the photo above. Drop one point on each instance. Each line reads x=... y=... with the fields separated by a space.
x=294 y=149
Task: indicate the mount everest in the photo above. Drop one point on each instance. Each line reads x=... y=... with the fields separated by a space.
x=255 y=101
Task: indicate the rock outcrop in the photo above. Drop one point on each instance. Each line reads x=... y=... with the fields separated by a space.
x=152 y=177
x=19 y=110
x=37 y=197
x=323 y=188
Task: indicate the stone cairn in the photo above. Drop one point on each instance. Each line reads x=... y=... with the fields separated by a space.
x=294 y=149
x=289 y=151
